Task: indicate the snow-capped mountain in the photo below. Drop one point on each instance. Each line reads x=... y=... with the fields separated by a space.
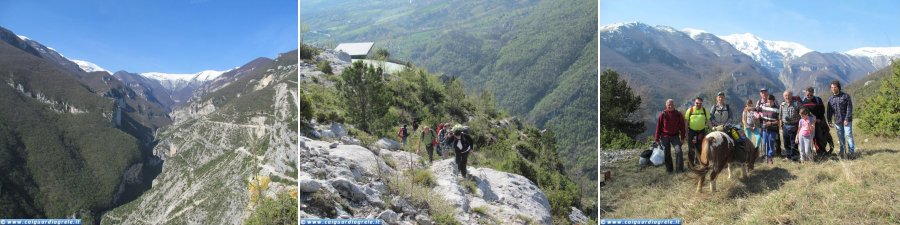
x=770 y=54
x=205 y=75
x=630 y=26
x=51 y=54
x=880 y=57
x=694 y=33
x=88 y=66
x=177 y=83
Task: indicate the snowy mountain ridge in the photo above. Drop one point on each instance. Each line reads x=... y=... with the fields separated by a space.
x=771 y=54
x=205 y=75
x=88 y=66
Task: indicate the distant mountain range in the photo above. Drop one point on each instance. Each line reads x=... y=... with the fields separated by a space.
x=702 y=64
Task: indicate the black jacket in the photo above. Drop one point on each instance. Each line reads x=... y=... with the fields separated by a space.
x=466 y=143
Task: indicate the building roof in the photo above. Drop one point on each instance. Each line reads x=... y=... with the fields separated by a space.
x=352 y=49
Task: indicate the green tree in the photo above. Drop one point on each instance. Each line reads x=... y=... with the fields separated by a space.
x=307 y=52
x=364 y=94
x=306 y=109
x=617 y=103
x=456 y=103
x=382 y=54
x=881 y=116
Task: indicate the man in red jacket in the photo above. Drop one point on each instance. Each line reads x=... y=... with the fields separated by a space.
x=670 y=130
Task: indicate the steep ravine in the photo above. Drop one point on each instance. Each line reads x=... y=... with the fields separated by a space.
x=224 y=138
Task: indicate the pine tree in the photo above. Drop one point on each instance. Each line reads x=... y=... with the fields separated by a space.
x=881 y=116
x=364 y=94
x=617 y=103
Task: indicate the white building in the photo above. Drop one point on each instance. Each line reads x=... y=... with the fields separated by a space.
x=356 y=50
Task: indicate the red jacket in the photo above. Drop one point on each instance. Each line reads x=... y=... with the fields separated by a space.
x=670 y=123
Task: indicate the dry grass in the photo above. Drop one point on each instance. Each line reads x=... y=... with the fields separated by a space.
x=862 y=191
x=421 y=196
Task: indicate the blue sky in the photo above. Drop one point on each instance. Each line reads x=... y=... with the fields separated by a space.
x=824 y=26
x=160 y=36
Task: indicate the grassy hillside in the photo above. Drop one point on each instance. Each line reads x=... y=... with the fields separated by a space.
x=538 y=58
x=860 y=90
x=862 y=191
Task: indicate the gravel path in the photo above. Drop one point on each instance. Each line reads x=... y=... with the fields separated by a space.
x=609 y=156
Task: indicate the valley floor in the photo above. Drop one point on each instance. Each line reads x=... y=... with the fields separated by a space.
x=861 y=191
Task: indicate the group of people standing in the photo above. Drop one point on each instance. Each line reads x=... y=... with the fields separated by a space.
x=443 y=140
x=803 y=124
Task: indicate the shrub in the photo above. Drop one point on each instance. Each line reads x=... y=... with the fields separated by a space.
x=480 y=210
x=307 y=52
x=325 y=67
x=423 y=177
x=321 y=117
x=612 y=139
x=280 y=210
x=470 y=186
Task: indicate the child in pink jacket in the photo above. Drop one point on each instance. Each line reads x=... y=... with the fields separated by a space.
x=805 y=134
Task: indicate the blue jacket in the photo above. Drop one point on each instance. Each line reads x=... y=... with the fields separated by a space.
x=841 y=108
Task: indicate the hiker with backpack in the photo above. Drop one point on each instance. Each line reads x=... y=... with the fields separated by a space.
x=822 y=136
x=403 y=133
x=840 y=109
x=697 y=119
x=462 y=145
x=670 y=130
x=721 y=112
x=769 y=118
x=428 y=138
x=790 y=118
x=447 y=134
x=441 y=133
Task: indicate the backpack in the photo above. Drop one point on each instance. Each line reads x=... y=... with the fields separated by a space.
x=433 y=135
x=403 y=132
x=716 y=107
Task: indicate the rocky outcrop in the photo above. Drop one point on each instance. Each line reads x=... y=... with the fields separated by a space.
x=354 y=174
x=385 y=143
x=504 y=196
x=577 y=217
x=330 y=131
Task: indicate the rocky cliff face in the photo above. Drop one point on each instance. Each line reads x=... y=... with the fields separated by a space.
x=244 y=134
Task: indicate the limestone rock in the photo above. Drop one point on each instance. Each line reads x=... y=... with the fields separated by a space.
x=309 y=185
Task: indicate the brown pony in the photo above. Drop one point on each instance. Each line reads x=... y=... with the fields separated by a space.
x=715 y=154
x=744 y=155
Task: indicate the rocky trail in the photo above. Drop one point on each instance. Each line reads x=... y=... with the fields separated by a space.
x=354 y=173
